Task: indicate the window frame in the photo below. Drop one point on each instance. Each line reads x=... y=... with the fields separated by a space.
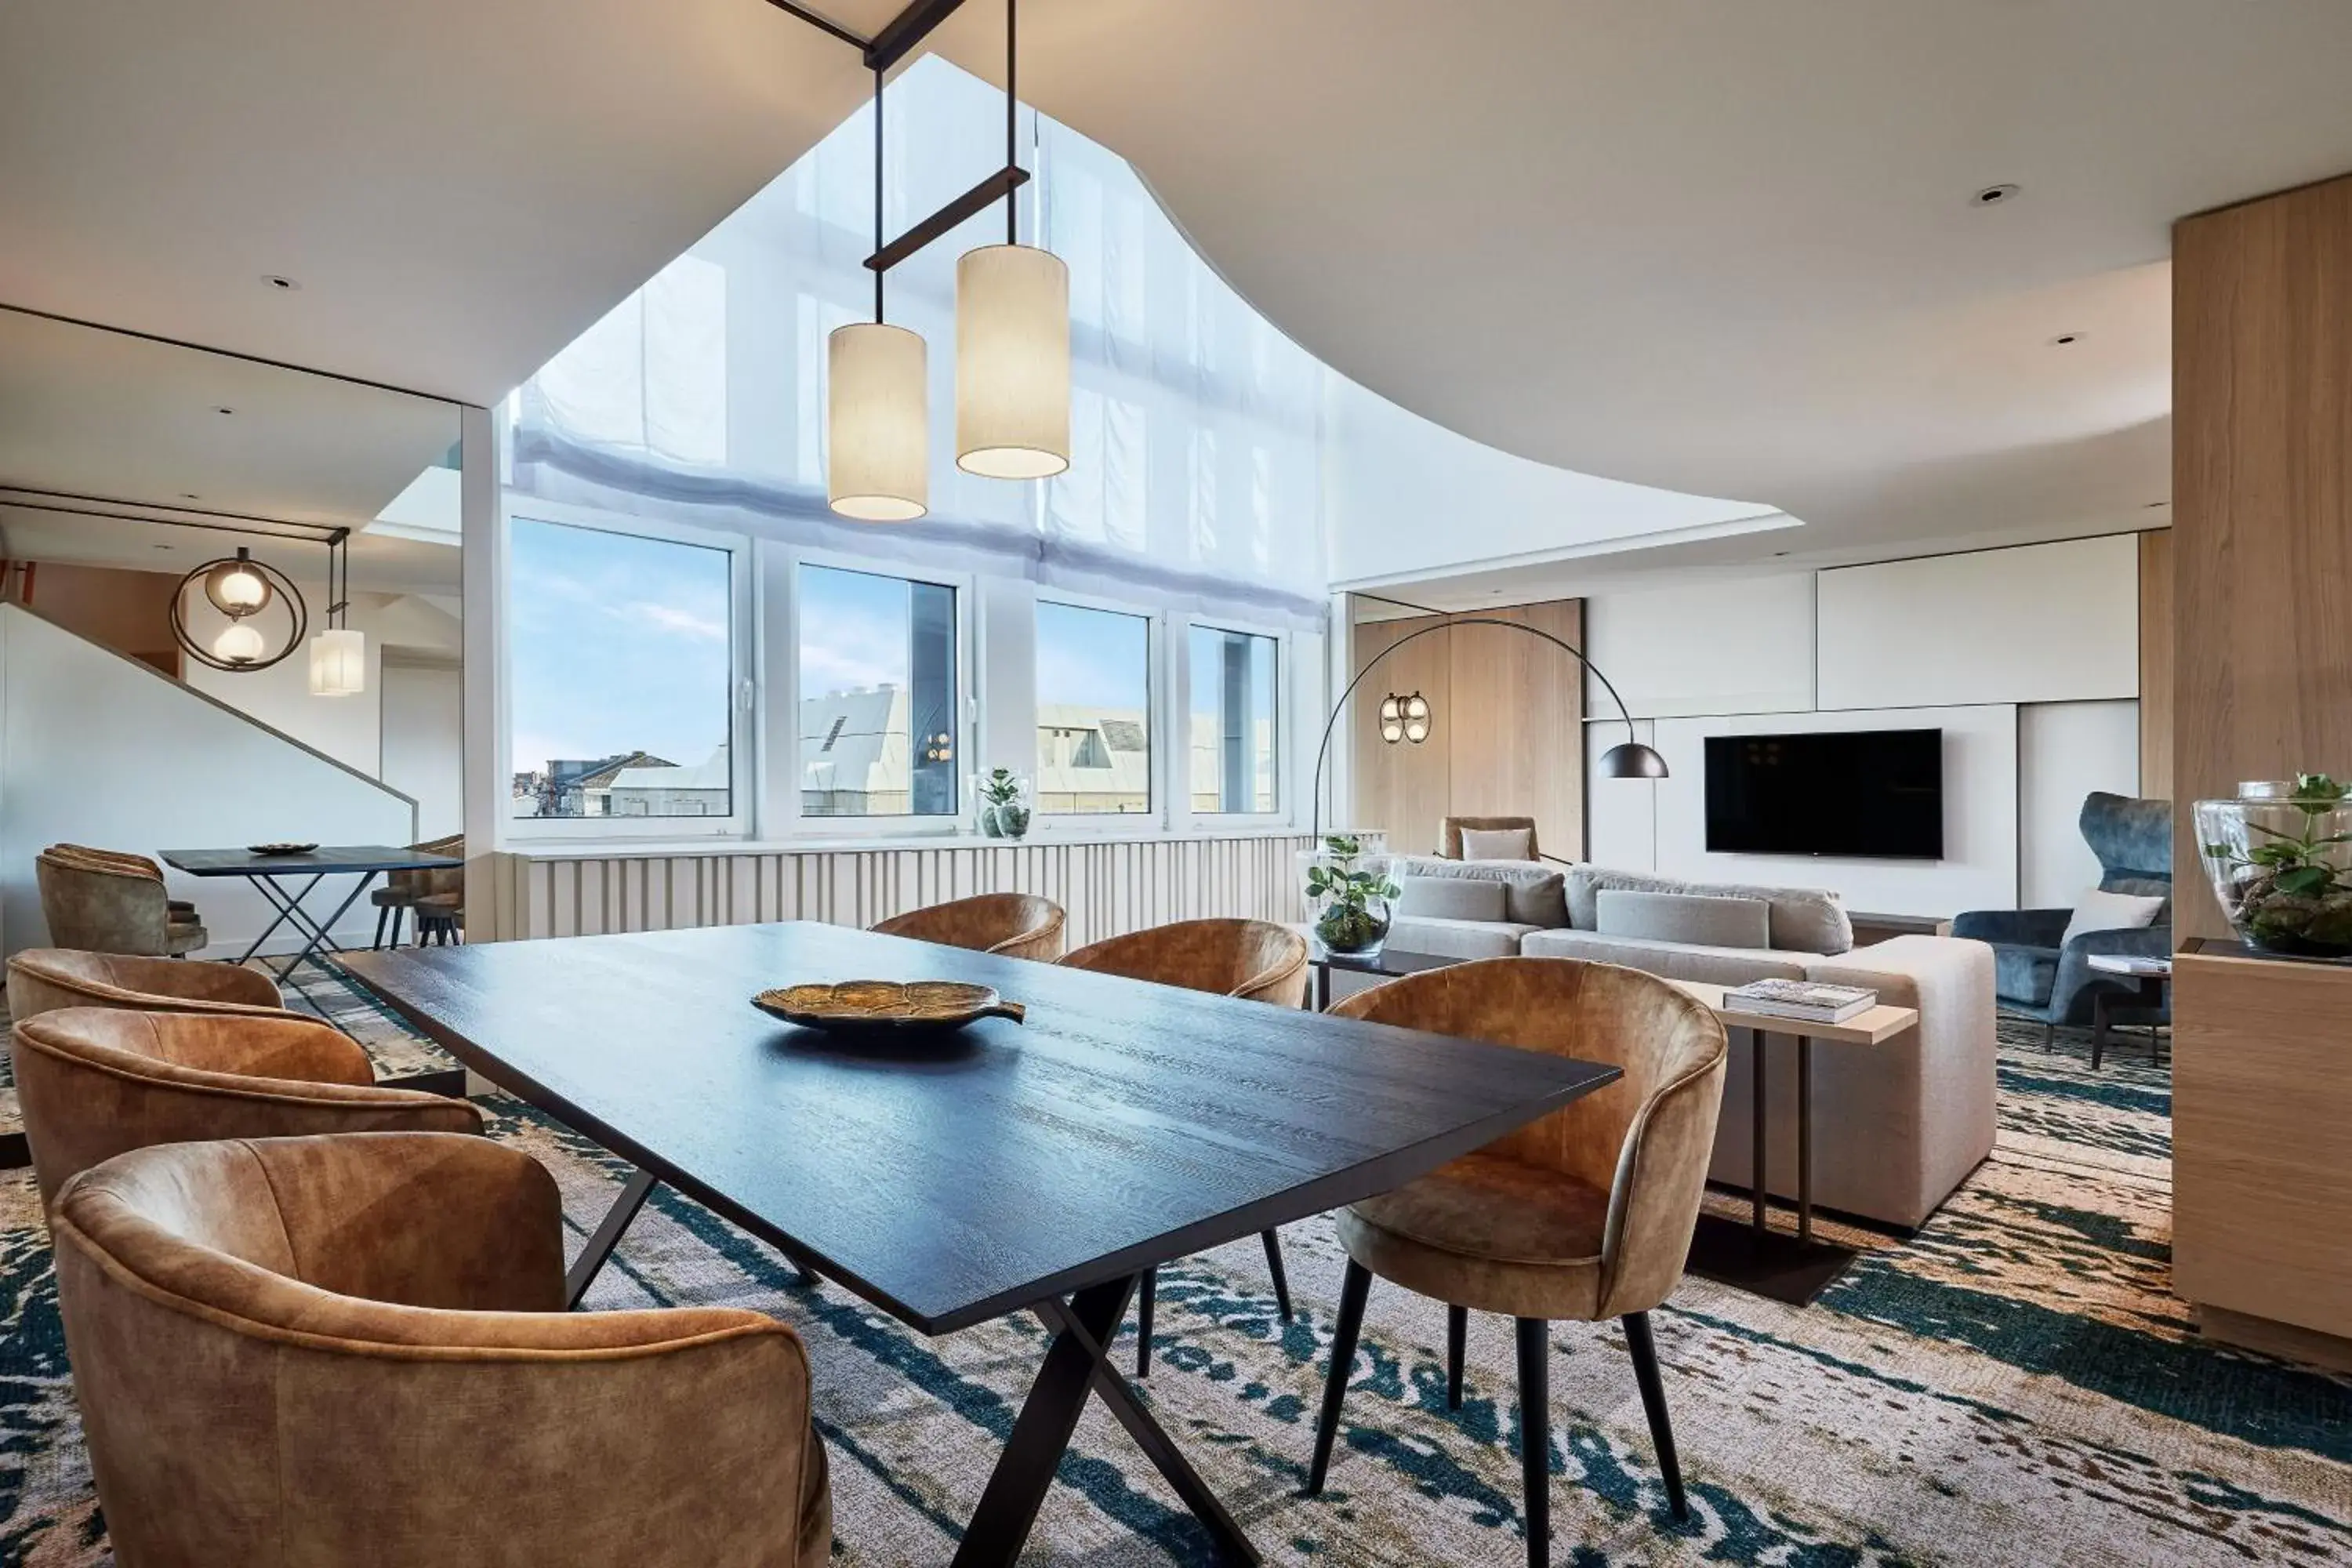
x=1158 y=818
x=744 y=730
x=1285 y=679
x=782 y=710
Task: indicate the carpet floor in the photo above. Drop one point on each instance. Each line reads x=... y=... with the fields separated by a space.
x=2012 y=1384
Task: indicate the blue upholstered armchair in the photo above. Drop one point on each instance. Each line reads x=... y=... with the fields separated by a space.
x=2033 y=974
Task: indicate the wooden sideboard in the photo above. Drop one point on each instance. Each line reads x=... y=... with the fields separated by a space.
x=2262 y=1150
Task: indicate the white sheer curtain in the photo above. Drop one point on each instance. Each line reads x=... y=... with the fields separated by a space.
x=1195 y=479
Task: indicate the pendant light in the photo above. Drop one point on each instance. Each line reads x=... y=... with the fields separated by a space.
x=1013 y=339
x=877 y=413
x=337 y=654
x=241 y=589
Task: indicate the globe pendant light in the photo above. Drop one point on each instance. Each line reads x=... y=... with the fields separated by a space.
x=1013 y=339
x=337 y=654
x=877 y=402
x=236 y=588
x=239 y=645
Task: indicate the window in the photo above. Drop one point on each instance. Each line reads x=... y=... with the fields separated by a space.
x=1093 y=710
x=877 y=698
x=1234 y=735
x=623 y=651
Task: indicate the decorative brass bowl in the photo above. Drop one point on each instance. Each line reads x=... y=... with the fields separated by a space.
x=888 y=1010
x=277 y=847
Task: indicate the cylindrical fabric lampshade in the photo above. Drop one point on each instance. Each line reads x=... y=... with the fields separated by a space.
x=877 y=404
x=1013 y=363
x=337 y=663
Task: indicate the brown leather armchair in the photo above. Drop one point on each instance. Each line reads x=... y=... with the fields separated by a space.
x=354 y=1349
x=41 y=978
x=1014 y=925
x=104 y=902
x=95 y=1082
x=402 y=891
x=1587 y=1214
x=1255 y=960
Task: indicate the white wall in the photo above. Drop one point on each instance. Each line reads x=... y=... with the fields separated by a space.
x=1402 y=495
x=2067 y=750
x=98 y=749
x=423 y=742
x=2048 y=634
x=2045 y=623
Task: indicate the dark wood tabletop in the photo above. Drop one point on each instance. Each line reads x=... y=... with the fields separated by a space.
x=1122 y=1125
x=326 y=860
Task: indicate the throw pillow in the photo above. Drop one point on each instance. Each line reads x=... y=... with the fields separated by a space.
x=1452 y=898
x=1498 y=844
x=2095 y=910
x=1697 y=920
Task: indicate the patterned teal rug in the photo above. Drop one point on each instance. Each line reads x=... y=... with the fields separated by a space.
x=2012 y=1385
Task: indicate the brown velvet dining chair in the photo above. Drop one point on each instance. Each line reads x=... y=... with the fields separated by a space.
x=95 y=1082
x=1011 y=925
x=1255 y=960
x=406 y=891
x=354 y=1348
x=104 y=901
x=1587 y=1214
x=41 y=978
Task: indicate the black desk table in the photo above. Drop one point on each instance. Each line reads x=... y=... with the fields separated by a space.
x=364 y=862
x=1388 y=963
x=1045 y=1165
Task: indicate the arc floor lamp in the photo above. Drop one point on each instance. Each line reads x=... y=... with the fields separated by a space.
x=1630 y=759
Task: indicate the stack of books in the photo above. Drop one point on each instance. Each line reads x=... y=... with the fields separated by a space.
x=1815 y=1004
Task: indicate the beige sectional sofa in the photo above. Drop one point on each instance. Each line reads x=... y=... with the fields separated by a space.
x=1896 y=1126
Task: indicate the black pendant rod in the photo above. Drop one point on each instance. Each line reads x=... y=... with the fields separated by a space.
x=319 y=536
x=879 y=272
x=1011 y=136
x=315 y=529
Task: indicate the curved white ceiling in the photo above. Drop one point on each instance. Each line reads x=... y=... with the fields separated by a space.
x=1724 y=246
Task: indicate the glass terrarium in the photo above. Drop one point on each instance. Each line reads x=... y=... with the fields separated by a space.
x=2279 y=857
x=1003 y=803
x=1347 y=903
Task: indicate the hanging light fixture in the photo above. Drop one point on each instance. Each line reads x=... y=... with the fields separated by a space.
x=877 y=410
x=243 y=589
x=1012 y=338
x=337 y=654
x=1415 y=713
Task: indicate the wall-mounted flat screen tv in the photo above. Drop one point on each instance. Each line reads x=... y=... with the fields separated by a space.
x=1875 y=793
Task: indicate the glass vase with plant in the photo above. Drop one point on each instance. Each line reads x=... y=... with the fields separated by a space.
x=2279 y=857
x=1348 y=905
x=1003 y=813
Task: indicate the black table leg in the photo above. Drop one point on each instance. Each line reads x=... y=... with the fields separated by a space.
x=1773 y=1264
x=268 y=888
x=1076 y=1363
x=1805 y=1139
x=1757 y=1115
x=2098 y=1025
x=607 y=1236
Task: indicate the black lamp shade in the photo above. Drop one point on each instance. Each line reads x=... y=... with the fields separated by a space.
x=1631 y=760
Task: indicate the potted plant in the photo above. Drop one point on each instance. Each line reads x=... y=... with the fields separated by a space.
x=2279 y=857
x=1003 y=814
x=1348 y=905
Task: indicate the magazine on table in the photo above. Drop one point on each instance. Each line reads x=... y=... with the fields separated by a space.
x=1811 y=1000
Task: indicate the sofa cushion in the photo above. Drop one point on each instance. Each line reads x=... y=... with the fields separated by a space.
x=2022 y=975
x=1669 y=960
x=1498 y=843
x=1458 y=939
x=1533 y=894
x=1702 y=919
x=1452 y=898
x=2101 y=911
x=1804 y=920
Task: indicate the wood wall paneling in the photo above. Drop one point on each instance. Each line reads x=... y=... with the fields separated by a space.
x=1507 y=733
x=2262 y=501
x=2155 y=665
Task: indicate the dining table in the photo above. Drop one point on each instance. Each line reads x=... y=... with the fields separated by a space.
x=1040 y=1165
x=267 y=870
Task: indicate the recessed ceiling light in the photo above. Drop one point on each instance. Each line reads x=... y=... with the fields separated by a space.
x=224 y=409
x=190 y=495
x=1993 y=195
x=284 y=285
x=2065 y=339
x=2153 y=504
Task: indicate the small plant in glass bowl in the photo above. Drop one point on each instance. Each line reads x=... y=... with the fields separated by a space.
x=1348 y=904
x=2279 y=857
x=1002 y=812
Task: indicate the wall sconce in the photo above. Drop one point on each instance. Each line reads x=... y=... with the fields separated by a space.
x=1404 y=719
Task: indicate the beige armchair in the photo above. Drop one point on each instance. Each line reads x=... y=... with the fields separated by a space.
x=1255 y=960
x=95 y=1082
x=1587 y=1214
x=41 y=978
x=1014 y=925
x=354 y=1349
x=100 y=901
